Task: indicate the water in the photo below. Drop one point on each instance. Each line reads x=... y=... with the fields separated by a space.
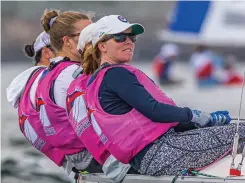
x=22 y=163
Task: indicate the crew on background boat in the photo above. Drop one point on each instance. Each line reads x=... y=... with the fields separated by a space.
x=211 y=69
x=163 y=64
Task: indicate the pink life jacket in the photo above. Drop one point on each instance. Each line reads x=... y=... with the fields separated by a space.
x=54 y=119
x=127 y=134
x=79 y=119
x=31 y=126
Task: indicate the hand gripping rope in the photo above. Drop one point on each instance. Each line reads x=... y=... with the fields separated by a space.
x=233 y=170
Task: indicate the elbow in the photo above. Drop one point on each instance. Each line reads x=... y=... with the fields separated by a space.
x=152 y=116
x=154 y=119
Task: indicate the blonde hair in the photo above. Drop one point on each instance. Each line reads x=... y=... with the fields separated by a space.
x=91 y=59
x=62 y=25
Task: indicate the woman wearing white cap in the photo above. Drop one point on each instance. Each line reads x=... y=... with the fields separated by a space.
x=41 y=50
x=135 y=119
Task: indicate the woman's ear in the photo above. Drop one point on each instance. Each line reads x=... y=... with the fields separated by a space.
x=87 y=45
x=102 y=47
x=66 y=41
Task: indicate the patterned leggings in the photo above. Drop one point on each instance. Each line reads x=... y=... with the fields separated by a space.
x=196 y=148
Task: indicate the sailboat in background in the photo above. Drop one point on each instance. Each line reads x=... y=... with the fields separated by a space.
x=207 y=24
x=213 y=23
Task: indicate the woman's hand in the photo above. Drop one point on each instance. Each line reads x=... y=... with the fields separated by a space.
x=201 y=119
x=220 y=118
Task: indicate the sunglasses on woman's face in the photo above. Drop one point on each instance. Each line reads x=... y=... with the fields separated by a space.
x=121 y=37
x=74 y=35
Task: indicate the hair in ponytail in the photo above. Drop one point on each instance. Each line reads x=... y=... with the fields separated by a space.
x=59 y=25
x=29 y=50
x=91 y=59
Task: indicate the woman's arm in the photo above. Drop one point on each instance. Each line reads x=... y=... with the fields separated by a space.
x=126 y=85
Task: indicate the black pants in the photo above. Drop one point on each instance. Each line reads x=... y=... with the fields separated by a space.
x=95 y=167
x=182 y=127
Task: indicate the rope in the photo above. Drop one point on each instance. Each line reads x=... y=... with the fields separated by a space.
x=236 y=137
x=77 y=174
x=203 y=174
x=177 y=175
x=236 y=119
x=191 y=172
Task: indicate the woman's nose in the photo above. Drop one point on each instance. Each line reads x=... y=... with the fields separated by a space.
x=128 y=40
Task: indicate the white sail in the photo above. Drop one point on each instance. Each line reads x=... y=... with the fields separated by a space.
x=30 y=132
x=215 y=23
x=79 y=110
x=96 y=126
x=44 y=116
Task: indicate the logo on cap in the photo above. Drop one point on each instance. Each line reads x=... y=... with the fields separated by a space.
x=122 y=19
x=101 y=34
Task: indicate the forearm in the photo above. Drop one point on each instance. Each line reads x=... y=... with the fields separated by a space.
x=167 y=113
x=128 y=88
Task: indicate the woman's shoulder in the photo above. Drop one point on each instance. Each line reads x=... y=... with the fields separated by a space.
x=118 y=78
x=118 y=70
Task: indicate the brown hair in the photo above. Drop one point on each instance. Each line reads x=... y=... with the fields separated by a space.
x=91 y=59
x=62 y=26
x=30 y=52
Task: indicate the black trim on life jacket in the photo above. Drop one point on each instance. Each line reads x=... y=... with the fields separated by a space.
x=77 y=72
x=51 y=92
x=96 y=72
x=33 y=72
x=65 y=59
x=52 y=66
x=31 y=75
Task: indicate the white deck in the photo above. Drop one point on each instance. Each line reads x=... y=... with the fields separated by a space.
x=100 y=178
x=220 y=169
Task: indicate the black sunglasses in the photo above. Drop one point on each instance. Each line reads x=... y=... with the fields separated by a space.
x=74 y=35
x=121 y=37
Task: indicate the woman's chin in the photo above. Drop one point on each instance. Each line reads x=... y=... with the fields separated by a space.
x=127 y=59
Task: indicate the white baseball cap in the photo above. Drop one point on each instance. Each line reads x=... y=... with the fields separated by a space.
x=42 y=40
x=85 y=37
x=114 y=24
